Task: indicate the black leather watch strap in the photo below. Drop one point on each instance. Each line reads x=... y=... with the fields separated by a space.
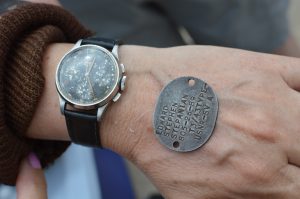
x=105 y=43
x=83 y=128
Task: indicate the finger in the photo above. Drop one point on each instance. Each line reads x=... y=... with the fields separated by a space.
x=290 y=71
x=292 y=149
x=290 y=131
x=291 y=174
x=31 y=183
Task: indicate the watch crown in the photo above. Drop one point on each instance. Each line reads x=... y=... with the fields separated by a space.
x=122 y=68
x=123 y=82
x=117 y=97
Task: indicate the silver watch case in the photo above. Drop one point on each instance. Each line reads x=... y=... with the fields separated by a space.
x=112 y=97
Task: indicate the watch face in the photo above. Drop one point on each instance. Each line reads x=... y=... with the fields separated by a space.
x=87 y=75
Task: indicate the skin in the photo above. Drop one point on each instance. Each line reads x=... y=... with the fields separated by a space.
x=254 y=151
x=31 y=183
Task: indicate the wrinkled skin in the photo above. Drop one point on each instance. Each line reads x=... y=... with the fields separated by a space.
x=254 y=151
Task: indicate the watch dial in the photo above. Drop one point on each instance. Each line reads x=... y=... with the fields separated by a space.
x=87 y=75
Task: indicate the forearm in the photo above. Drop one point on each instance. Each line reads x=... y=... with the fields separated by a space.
x=255 y=144
x=122 y=124
x=148 y=70
x=254 y=150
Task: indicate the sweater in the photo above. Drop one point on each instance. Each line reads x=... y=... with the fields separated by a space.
x=25 y=33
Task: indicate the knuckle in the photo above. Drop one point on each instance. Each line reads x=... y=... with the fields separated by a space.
x=256 y=172
x=264 y=125
x=294 y=188
x=224 y=151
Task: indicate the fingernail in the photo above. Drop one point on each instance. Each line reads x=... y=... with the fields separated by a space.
x=34 y=161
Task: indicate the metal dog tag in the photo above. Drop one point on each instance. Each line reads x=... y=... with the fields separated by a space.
x=185 y=114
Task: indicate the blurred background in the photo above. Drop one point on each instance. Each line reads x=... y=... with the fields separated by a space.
x=294 y=17
x=270 y=26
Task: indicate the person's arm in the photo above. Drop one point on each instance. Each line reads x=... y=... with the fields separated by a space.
x=254 y=151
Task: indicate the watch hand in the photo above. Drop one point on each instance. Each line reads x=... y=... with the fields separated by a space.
x=86 y=70
x=90 y=85
x=91 y=65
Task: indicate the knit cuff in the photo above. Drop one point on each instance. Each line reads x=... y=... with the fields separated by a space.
x=25 y=33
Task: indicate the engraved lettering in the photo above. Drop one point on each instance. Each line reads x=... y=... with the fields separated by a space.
x=182 y=133
x=186 y=114
x=173 y=136
x=204 y=88
x=197 y=137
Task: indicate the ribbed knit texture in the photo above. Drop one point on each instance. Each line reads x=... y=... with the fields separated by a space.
x=24 y=35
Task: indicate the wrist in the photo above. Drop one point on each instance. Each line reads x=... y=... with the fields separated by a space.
x=47 y=112
x=127 y=121
x=124 y=123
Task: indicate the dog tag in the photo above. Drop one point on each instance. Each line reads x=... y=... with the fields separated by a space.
x=185 y=114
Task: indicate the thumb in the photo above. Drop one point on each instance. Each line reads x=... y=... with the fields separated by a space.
x=31 y=183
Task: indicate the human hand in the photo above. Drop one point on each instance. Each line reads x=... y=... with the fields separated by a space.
x=254 y=150
x=31 y=183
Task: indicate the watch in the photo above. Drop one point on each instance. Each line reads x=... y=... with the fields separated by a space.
x=88 y=79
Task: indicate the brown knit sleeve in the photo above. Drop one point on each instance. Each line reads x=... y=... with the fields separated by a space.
x=24 y=34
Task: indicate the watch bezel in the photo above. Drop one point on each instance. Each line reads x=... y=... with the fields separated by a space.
x=102 y=101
